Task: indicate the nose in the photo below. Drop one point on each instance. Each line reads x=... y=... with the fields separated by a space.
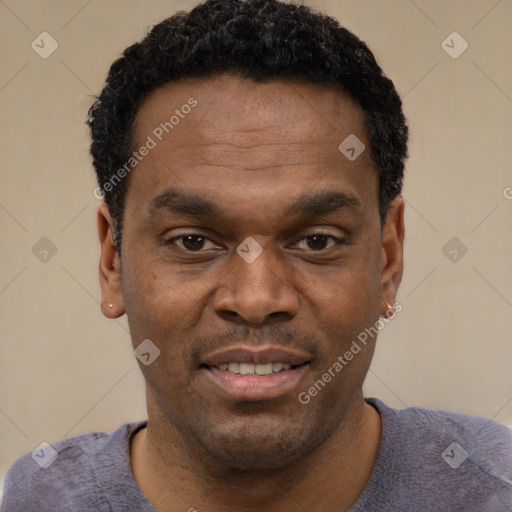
x=256 y=292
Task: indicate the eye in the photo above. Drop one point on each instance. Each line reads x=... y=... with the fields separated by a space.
x=191 y=242
x=319 y=241
x=198 y=242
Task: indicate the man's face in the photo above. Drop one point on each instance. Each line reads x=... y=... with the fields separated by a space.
x=251 y=168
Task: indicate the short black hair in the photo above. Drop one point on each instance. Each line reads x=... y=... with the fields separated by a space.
x=259 y=40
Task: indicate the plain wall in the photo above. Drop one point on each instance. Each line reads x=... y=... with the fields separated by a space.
x=65 y=369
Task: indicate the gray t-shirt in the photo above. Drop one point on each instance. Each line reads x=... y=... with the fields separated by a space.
x=428 y=460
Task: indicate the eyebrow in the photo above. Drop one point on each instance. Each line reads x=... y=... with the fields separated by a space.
x=178 y=202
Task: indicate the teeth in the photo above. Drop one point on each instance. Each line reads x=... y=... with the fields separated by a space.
x=263 y=369
x=234 y=367
x=254 y=369
x=246 y=369
x=277 y=367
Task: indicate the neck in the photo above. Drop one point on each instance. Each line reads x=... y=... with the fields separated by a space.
x=172 y=475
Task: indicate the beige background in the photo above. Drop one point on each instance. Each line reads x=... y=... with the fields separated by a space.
x=65 y=369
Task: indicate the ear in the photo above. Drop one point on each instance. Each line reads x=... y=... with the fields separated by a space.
x=112 y=303
x=392 y=257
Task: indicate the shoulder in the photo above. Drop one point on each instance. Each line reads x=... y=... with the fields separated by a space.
x=60 y=476
x=423 y=423
x=446 y=455
x=485 y=438
x=483 y=441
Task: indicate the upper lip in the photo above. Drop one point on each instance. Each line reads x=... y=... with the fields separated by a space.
x=251 y=355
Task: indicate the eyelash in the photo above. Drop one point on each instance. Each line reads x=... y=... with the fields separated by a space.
x=170 y=241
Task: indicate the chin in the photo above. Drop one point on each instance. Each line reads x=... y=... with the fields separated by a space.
x=244 y=457
x=254 y=447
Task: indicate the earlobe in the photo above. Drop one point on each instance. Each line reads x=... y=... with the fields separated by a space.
x=393 y=234
x=112 y=303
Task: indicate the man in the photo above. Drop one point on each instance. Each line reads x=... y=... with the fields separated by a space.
x=251 y=158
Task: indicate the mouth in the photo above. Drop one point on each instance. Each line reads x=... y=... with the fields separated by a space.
x=245 y=374
x=256 y=369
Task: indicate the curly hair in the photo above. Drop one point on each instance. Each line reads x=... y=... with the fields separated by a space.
x=258 y=40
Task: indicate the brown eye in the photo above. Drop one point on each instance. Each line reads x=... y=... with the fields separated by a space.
x=319 y=242
x=193 y=242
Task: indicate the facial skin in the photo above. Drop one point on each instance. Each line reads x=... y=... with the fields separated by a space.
x=252 y=151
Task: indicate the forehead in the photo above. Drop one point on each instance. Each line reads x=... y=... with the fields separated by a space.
x=242 y=133
x=244 y=113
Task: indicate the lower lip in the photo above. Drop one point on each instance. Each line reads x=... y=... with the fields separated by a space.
x=257 y=387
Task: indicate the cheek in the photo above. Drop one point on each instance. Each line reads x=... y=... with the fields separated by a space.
x=168 y=306
x=156 y=301
x=162 y=309
x=345 y=313
x=347 y=292
x=345 y=304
